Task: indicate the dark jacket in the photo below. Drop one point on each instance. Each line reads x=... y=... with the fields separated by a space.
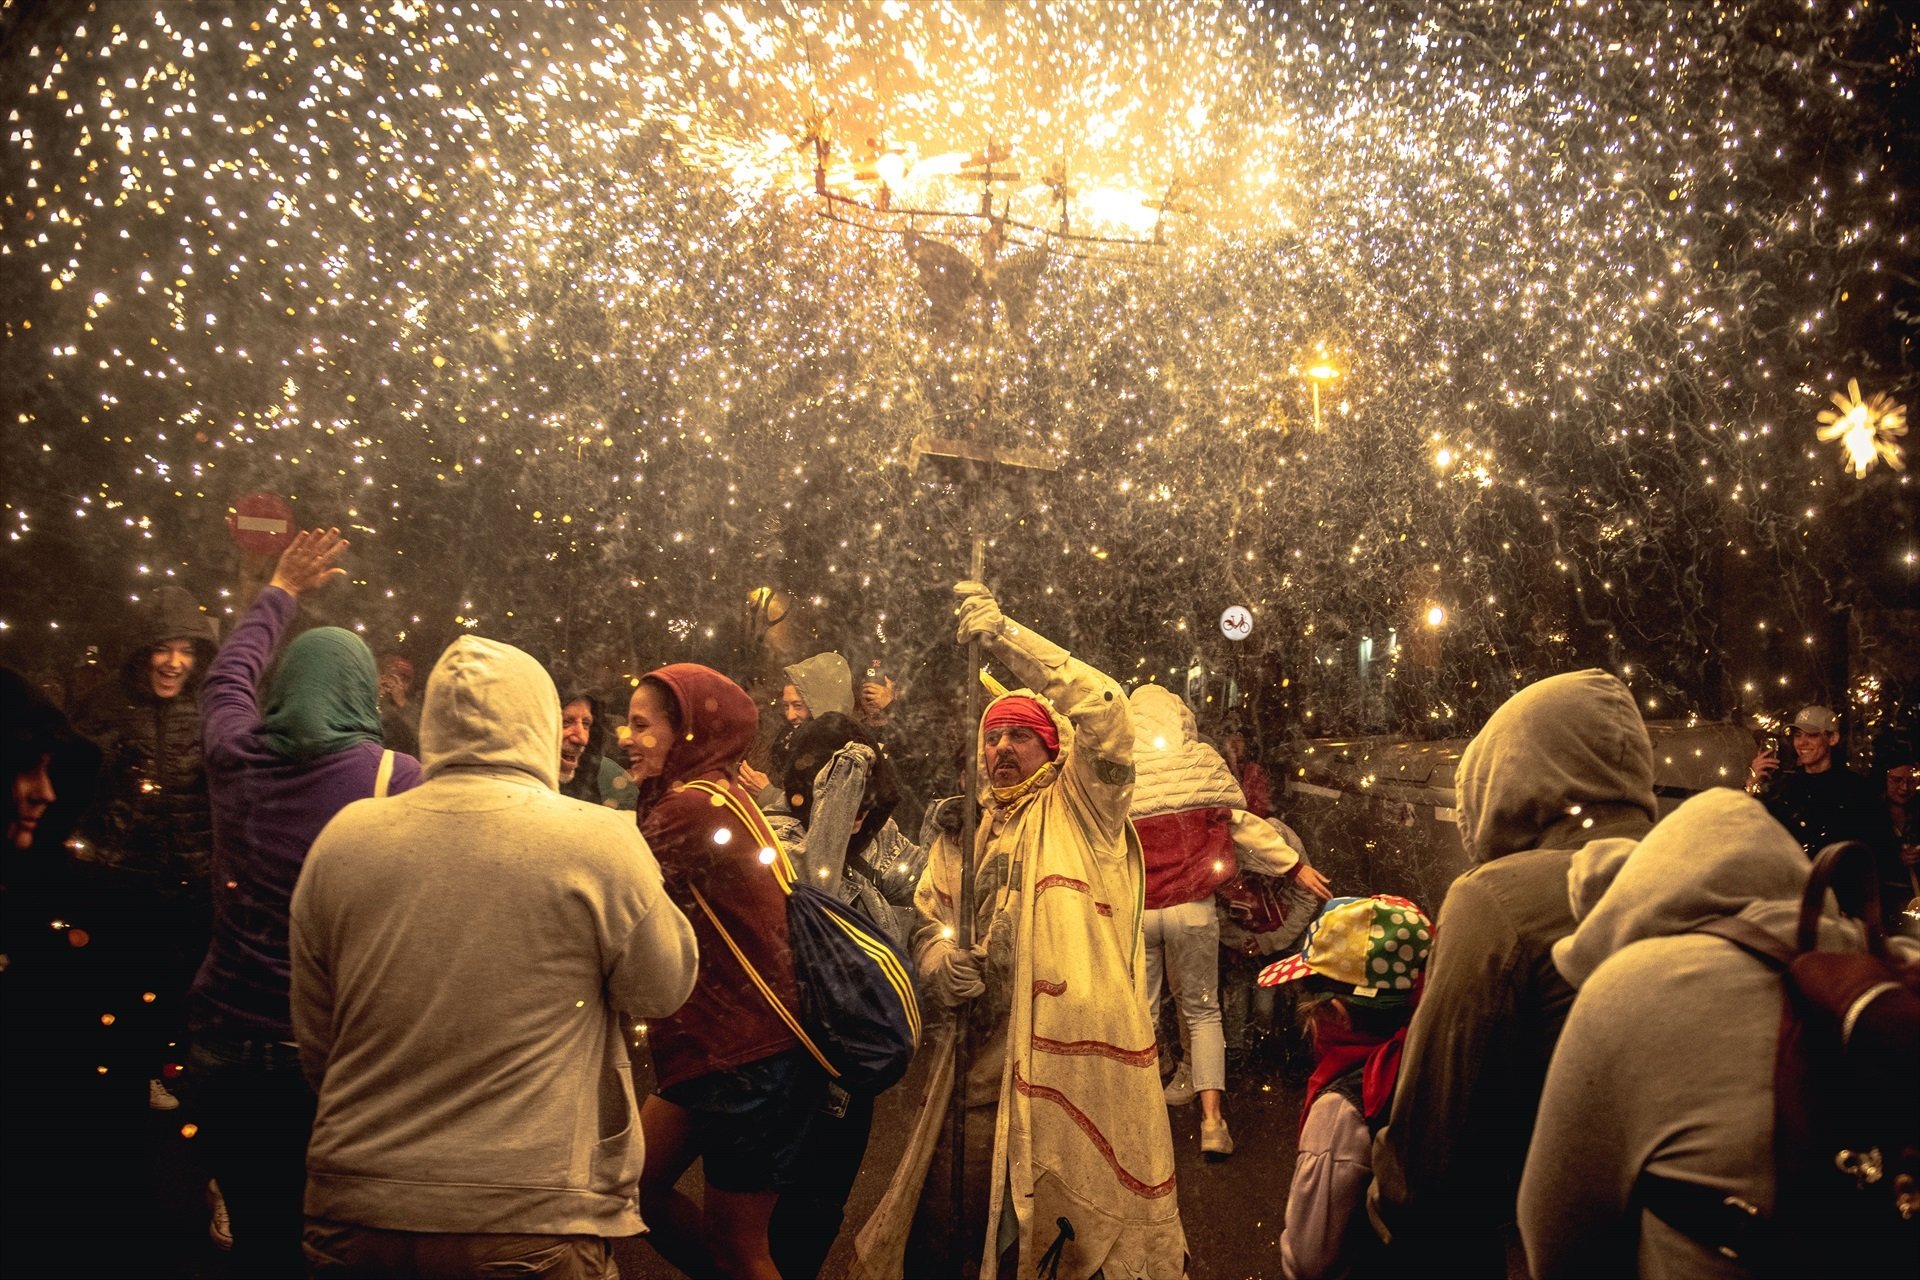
x=1563 y=764
x=152 y=817
x=727 y=1021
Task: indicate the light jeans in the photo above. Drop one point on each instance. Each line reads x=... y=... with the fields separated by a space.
x=1184 y=942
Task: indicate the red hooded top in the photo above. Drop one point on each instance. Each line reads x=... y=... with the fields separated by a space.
x=726 y=1022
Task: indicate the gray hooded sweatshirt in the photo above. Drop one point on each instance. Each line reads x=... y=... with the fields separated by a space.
x=825 y=682
x=1563 y=763
x=1667 y=1060
x=462 y=954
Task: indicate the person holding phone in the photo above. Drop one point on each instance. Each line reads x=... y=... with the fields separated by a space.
x=1819 y=801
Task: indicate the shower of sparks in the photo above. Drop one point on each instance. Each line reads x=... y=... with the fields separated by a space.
x=1868 y=430
x=536 y=302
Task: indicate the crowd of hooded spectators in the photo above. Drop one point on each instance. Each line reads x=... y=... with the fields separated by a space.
x=390 y=952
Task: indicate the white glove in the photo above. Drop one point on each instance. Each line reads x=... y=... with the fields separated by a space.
x=957 y=978
x=978 y=612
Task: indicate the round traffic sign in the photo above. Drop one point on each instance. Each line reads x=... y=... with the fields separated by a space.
x=261 y=523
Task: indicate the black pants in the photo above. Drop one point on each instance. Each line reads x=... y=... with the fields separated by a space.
x=807 y=1219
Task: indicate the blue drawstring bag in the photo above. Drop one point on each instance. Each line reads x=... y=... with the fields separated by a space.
x=858 y=1015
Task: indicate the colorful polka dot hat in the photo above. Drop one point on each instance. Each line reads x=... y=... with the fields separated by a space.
x=1377 y=946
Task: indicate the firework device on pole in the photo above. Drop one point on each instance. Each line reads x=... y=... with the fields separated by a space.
x=971 y=465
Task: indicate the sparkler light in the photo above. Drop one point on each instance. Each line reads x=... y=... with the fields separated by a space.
x=535 y=301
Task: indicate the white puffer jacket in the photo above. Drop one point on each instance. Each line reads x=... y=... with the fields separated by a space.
x=1173 y=769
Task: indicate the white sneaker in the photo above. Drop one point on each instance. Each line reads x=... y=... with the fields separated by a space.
x=220 y=1225
x=1179 y=1088
x=158 y=1099
x=1215 y=1142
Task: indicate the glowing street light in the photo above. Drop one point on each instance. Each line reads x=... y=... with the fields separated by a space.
x=1317 y=374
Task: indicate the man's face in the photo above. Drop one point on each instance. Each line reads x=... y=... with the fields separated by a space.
x=394 y=688
x=649 y=733
x=169 y=663
x=1900 y=784
x=576 y=726
x=32 y=793
x=1014 y=753
x=1815 y=750
x=794 y=707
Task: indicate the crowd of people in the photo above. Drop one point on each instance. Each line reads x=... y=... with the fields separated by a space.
x=392 y=954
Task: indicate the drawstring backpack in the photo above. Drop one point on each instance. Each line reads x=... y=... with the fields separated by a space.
x=858 y=1015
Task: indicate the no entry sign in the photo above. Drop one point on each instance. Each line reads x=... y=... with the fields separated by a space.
x=261 y=523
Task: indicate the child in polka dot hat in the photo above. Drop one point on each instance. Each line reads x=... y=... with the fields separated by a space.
x=1360 y=974
x=1374 y=947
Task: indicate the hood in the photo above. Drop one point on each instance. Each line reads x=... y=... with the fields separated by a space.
x=488 y=705
x=1173 y=769
x=1043 y=776
x=1719 y=854
x=825 y=681
x=168 y=614
x=1161 y=720
x=717 y=723
x=1574 y=739
x=323 y=697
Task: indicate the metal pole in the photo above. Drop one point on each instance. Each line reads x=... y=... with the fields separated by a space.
x=963 y=928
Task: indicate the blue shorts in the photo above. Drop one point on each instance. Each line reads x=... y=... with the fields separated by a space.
x=750 y=1122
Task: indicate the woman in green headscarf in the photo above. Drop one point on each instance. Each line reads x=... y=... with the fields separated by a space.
x=324 y=697
x=275 y=780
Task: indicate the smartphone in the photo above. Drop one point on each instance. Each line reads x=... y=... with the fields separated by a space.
x=1773 y=747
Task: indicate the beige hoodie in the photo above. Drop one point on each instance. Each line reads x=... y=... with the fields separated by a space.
x=1667 y=1060
x=462 y=954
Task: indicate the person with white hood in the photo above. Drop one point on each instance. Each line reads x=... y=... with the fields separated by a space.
x=1664 y=1075
x=462 y=958
x=1563 y=763
x=1195 y=831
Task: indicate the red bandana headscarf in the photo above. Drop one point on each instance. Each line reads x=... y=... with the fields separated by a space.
x=1025 y=713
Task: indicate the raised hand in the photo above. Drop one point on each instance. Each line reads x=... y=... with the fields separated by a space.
x=308 y=562
x=978 y=613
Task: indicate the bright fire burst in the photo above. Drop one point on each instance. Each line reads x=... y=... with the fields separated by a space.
x=1866 y=429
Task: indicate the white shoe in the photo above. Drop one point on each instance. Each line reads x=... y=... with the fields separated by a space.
x=1215 y=1142
x=1179 y=1088
x=220 y=1226
x=158 y=1099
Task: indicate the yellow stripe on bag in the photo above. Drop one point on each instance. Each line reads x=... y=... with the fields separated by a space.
x=889 y=966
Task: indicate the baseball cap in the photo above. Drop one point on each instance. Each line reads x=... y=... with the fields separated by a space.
x=1375 y=946
x=1815 y=719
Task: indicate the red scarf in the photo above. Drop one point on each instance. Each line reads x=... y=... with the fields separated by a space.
x=1339 y=1048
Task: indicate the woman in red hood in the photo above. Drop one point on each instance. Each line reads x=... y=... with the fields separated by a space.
x=736 y=1090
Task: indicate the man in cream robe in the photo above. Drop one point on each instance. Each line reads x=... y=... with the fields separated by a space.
x=1064 y=1072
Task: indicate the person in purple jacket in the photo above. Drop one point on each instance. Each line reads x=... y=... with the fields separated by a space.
x=276 y=774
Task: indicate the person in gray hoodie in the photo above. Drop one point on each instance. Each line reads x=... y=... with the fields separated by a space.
x=462 y=958
x=1666 y=1065
x=1563 y=763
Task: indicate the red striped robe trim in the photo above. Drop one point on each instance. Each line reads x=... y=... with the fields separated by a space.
x=1146 y=1191
x=1100 y=1049
x=1079 y=886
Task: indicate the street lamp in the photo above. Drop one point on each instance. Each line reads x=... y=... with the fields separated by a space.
x=1317 y=374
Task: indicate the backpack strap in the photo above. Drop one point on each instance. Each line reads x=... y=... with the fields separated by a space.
x=1847 y=867
x=1725 y=1223
x=383 y=777
x=756 y=824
